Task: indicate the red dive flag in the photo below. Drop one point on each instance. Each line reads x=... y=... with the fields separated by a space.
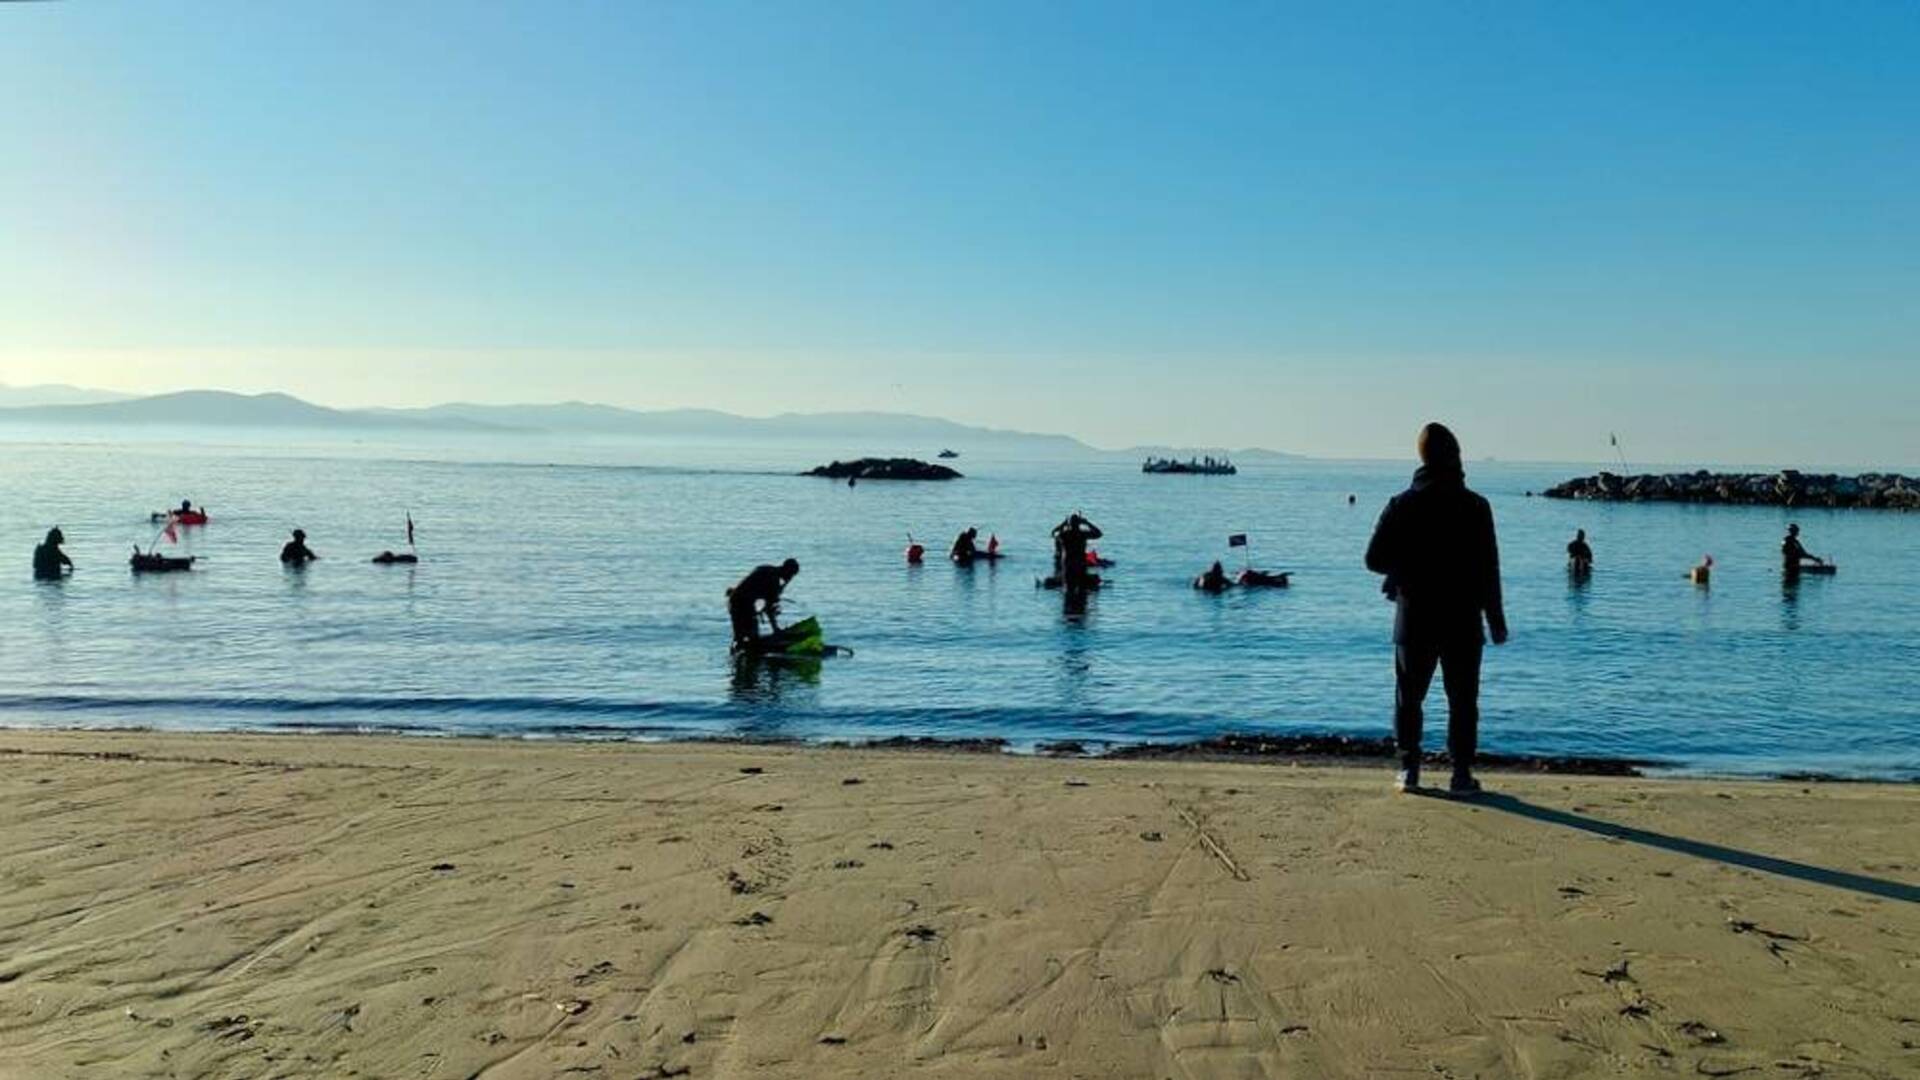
x=172 y=534
x=1237 y=540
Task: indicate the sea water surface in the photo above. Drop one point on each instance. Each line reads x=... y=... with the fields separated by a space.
x=576 y=590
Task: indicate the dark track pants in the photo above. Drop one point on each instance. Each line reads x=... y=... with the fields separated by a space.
x=1459 y=664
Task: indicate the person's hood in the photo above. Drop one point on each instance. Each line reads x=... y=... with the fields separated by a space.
x=1442 y=474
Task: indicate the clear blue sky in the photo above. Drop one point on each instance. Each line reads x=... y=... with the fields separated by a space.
x=1307 y=227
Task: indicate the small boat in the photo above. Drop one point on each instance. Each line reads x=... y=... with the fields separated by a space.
x=144 y=562
x=949 y=455
x=388 y=558
x=1823 y=569
x=180 y=517
x=1261 y=579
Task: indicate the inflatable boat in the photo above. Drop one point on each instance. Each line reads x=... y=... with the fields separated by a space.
x=145 y=563
x=190 y=517
x=978 y=556
x=804 y=640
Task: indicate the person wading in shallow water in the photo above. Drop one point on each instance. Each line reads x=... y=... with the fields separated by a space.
x=756 y=595
x=1580 y=553
x=1070 y=539
x=964 y=548
x=49 y=562
x=1794 y=555
x=1435 y=545
x=296 y=552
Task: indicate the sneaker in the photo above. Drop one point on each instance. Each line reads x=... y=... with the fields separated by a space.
x=1407 y=781
x=1464 y=786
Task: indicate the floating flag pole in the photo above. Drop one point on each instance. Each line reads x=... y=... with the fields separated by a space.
x=169 y=532
x=1239 y=540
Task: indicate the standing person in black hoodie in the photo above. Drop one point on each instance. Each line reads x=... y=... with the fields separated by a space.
x=1435 y=544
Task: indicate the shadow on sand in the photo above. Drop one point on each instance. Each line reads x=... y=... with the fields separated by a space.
x=1839 y=879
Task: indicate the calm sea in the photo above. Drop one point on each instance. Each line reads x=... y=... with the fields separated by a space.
x=577 y=591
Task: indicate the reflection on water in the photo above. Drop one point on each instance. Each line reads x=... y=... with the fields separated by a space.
x=771 y=685
x=1578 y=594
x=1074 y=608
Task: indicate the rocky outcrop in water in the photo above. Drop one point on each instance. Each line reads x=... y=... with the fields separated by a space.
x=1884 y=491
x=885 y=469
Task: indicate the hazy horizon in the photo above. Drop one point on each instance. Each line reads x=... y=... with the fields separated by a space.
x=67 y=394
x=1298 y=228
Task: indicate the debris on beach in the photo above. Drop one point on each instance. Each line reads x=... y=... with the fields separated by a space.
x=240 y=1028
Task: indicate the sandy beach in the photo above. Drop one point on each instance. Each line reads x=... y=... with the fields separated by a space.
x=182 y=906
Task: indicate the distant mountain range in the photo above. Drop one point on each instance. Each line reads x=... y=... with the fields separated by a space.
x=53 y=394
x=72 y=406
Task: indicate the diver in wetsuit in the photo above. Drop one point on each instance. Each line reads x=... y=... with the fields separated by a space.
x=1794 y=554
x=296 y=552
x=758 y=594
x=1579 y=555
x=1070 y=539
x=49 y=562
x=964 y=549
x=1214 y=580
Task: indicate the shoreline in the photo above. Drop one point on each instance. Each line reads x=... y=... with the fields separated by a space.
x=1280 y=750
x=231 y=904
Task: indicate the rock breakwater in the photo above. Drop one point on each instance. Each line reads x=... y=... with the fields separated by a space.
x=1880 y=491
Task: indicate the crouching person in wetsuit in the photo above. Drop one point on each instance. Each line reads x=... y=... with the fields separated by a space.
x=758 y=594
x=49 y=562
x=1435 y=544
x=965 y=547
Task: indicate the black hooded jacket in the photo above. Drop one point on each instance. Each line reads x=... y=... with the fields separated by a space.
x=1435 y=544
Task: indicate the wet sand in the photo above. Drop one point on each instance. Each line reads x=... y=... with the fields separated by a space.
x=175 y=905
